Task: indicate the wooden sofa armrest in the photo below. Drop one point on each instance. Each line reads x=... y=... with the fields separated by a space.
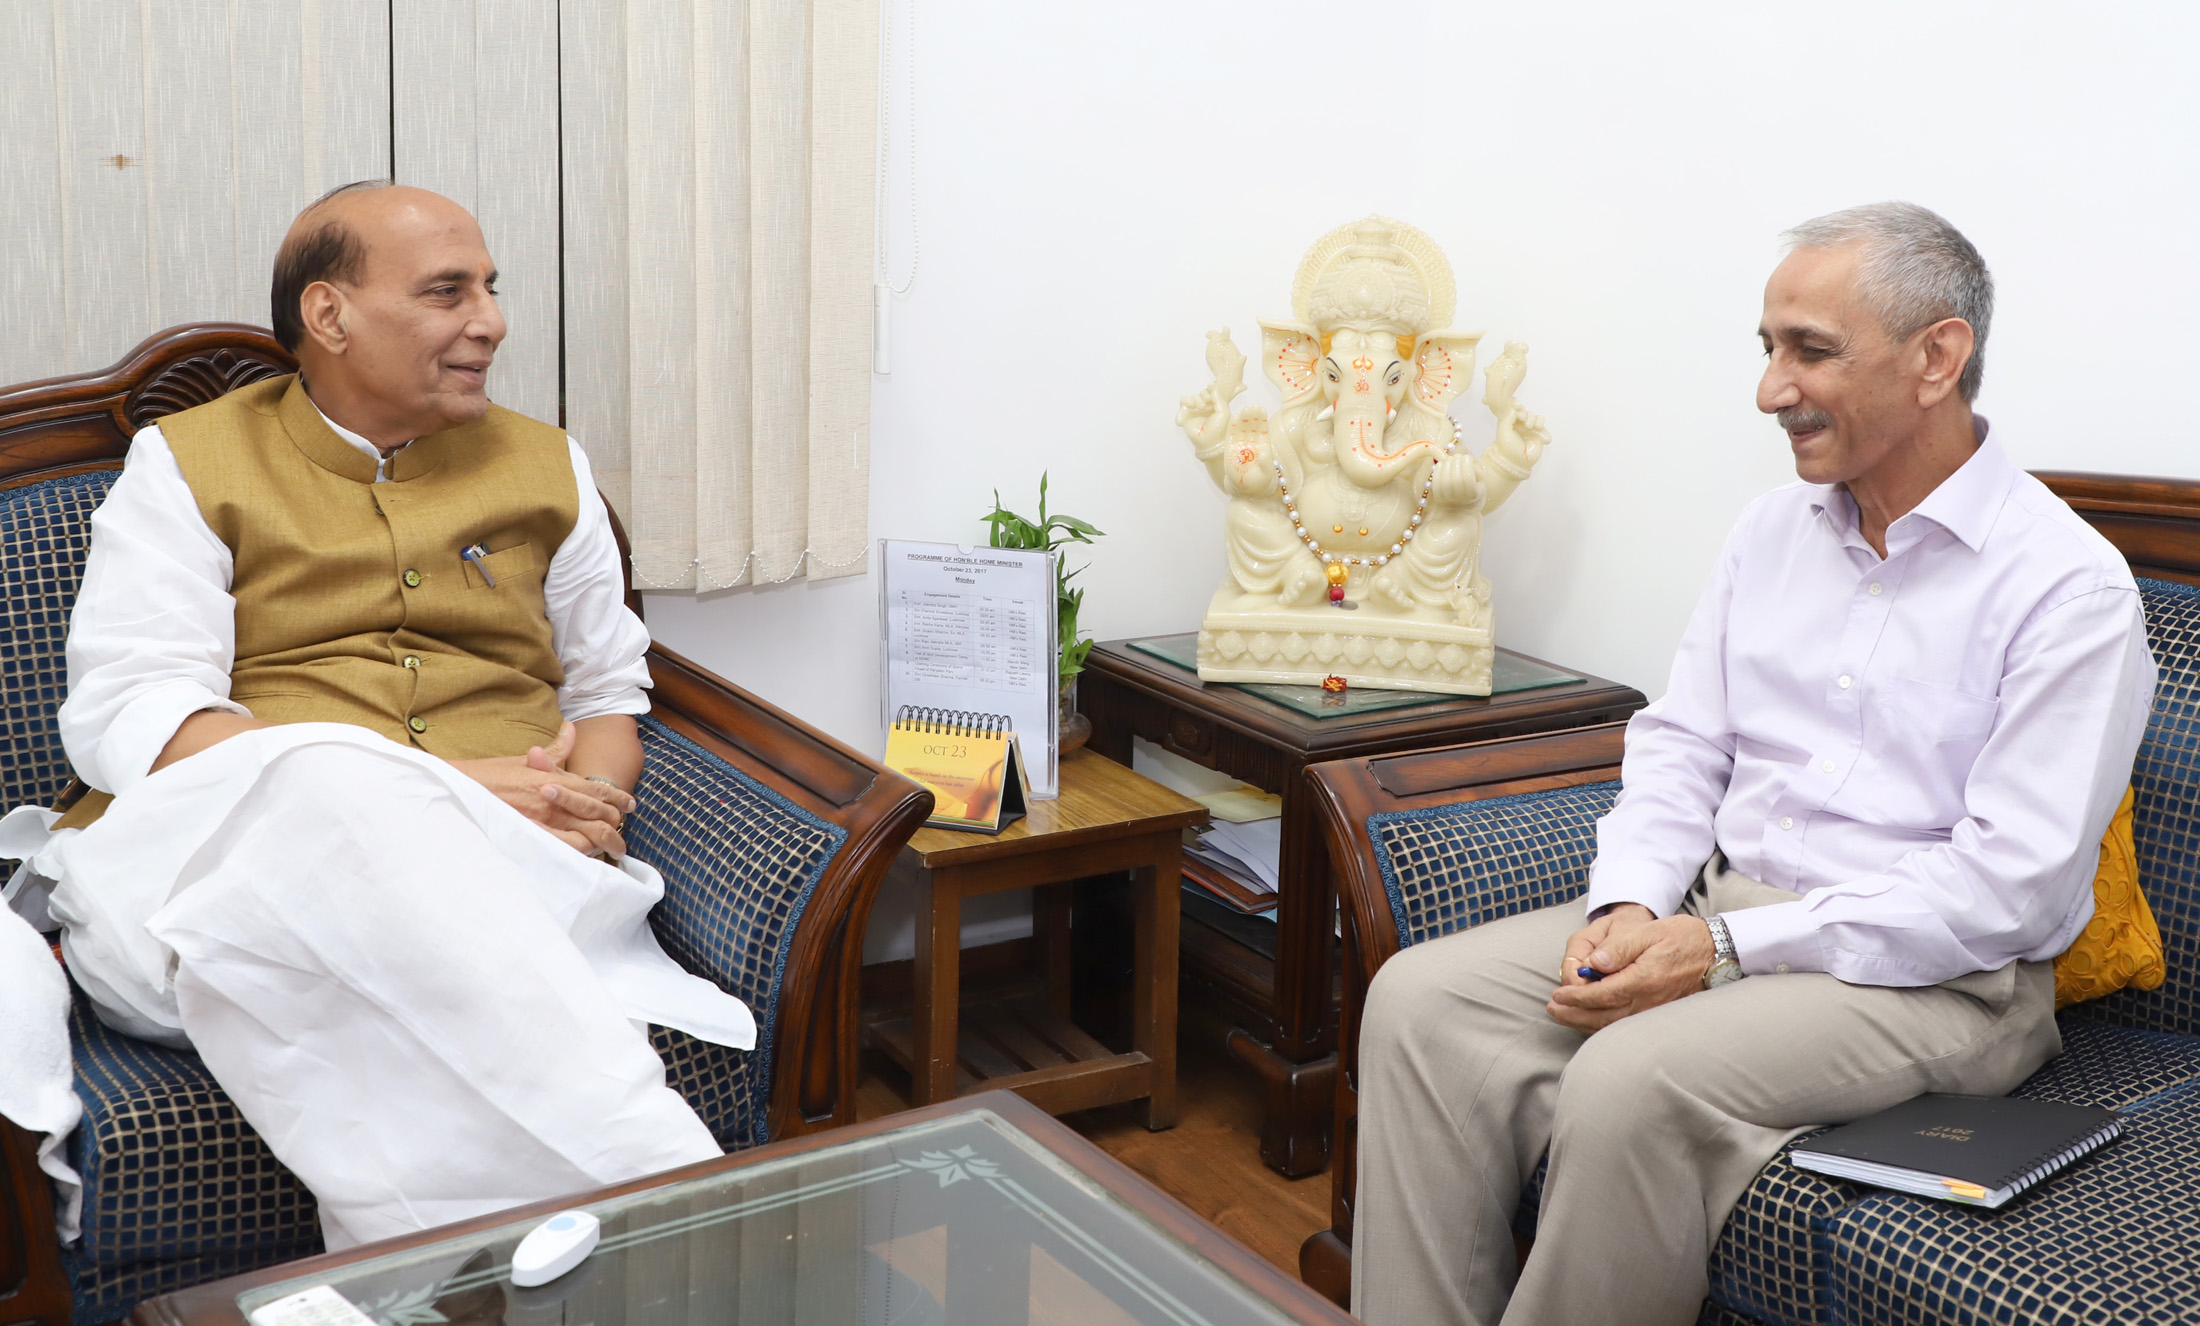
x=2154 y=522
x=34 y=1290
x=817 y=1033
x=1346 y=793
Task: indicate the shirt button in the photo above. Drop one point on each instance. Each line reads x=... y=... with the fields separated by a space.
x=1787 y=821
x=412 y=660
x=1845 y=681
x=418 y=724
x=1827 y=766
x=1875 y=589
x=412 y=580
x=1781 y=969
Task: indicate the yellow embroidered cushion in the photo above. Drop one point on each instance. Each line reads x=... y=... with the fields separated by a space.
x=2120 y=946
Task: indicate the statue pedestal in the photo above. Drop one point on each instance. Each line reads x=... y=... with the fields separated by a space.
x=1302 y=646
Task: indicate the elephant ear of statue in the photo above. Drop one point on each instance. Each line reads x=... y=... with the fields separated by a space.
x=1291 y=353
x=1443 y=364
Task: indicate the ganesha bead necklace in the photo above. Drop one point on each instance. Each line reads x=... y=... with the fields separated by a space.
x=1336 y=565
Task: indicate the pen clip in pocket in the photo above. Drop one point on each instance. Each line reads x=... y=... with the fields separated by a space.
x=478 y=555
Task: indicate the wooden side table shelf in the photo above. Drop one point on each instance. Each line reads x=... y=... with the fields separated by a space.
x=1107 y=819
x=1283 y=1009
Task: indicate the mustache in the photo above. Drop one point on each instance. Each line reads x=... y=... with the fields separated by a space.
x=1800 y=419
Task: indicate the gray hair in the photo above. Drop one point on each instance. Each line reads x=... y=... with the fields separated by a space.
x=1917 y=270
x=330 y=251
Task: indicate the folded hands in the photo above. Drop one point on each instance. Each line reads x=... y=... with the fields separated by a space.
x=1644 y=962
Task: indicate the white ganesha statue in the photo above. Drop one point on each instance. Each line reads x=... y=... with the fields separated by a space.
x=1354 y=528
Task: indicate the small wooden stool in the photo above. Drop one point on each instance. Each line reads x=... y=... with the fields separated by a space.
x=1107 y=819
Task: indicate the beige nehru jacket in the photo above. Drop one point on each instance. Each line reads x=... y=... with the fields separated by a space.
x=353 y=603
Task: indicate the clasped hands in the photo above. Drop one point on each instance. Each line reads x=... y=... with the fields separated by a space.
x=1646 y=962
x=585 y=815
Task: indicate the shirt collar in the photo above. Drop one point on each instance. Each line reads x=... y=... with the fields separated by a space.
x=372 y=452
x=1965 y=504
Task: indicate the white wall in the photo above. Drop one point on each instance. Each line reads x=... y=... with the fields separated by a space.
x=1099 y=185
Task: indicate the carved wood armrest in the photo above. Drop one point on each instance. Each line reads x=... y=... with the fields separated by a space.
x=34 y=1290
x=816 y=1033
x=1348 y=792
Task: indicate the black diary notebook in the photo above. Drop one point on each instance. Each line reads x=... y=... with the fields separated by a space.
x=1980 y=1150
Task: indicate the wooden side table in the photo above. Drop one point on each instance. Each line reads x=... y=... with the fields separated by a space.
x=1107 y=819
x=1283 y=1009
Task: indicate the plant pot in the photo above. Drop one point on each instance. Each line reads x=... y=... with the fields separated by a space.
x=1072 y=729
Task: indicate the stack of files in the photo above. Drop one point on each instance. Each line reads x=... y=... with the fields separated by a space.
x=1243 y=855
x=1223 y=885
x=1234 y=860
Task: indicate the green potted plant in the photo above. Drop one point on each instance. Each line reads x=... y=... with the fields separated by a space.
x=1049 y=533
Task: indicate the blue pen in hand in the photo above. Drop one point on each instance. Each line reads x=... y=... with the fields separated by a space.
x=1589 y=973
x=474 y=554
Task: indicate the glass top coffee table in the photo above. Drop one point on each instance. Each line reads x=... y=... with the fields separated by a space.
x=982 y=1210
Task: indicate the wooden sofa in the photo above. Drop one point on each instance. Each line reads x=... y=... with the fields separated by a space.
x=772 y=837
x=2116 y=1240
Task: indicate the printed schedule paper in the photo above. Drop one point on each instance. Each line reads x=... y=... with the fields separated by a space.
x=973 y=629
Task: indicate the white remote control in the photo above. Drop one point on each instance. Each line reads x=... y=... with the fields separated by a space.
x=555 y=1246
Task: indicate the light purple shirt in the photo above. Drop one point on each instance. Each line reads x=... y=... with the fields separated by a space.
x=1928 y=748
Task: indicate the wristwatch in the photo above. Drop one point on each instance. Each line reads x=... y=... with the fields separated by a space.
x=1725 y=968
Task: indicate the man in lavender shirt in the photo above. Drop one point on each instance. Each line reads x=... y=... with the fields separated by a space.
x=1856 y=831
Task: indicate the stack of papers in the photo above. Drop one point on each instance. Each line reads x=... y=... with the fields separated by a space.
x=1244 y=844
x=1249 y=851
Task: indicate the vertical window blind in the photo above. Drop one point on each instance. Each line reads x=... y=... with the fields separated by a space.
x=679 y=195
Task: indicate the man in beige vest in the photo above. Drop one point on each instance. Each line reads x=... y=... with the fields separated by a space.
x=353 y=675
x=1854 y=832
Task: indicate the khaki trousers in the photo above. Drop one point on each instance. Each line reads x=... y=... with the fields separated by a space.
x=1655 y=1125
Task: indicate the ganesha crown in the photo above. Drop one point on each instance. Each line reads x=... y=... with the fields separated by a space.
x=1376 y=274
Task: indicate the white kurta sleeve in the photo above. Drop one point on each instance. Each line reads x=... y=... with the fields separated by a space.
x=598 y=641
x=154 y=632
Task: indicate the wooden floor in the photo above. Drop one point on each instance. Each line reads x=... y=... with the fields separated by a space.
x=1210 y=1161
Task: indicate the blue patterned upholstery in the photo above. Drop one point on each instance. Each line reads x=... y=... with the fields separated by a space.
x=1450 y=867
x=740 y=863
x=1767 y=1265
x=1762 y=1267
x=2113 y=1067
x=177 y=1188
x=2165 y=784
x=45 y=530
x=2115 y=1239
x=175 y=1181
